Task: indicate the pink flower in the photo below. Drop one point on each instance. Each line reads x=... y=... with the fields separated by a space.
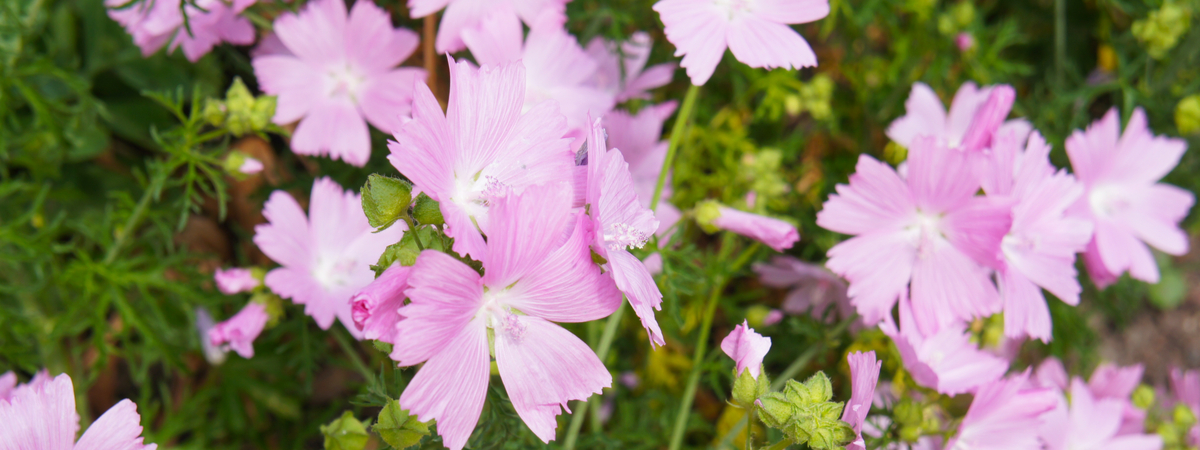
x=1186 y=386
x=461 y=15
x=538 y=263
x=925 y=116
x=1003 y=416
x=946 y=361
x=773 y=317
x=747 y=348
x=339 y=69
x=326 y=256
x=556 y=67
x=625 y=78
x=1109 y=381
x=1039 y=249
x=621 y=222
x=235 y=280
x=482 y=144
x=156 y=23
x=375 y=307
x=756 y=31
x=1130 y=209
x=964 y=41
x=928 y=232
x=238 y=332
x=43 y=417
x=864 y=375
x=638 y=137
x=1091 y=422
x=776 y=233
x=250 y=166
x=813 y=287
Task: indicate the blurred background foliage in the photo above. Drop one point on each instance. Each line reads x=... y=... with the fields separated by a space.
x=115 y=208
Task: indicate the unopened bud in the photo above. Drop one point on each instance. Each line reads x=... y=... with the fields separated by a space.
x=1183 y=416
x=238 y=164
x=427 y=211
x=214 y=112
x=774 y=410
x=273 y=305
x=398 y=427
x=1187 y=115
x=1143 y=397
x=747 y=389
x=385 y=200
x=263 y=112
x=707 y=212
x=345 y=433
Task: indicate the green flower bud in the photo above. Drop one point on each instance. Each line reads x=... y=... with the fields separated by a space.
x=747 y=388
x=398 y=428
x=1187 y=115
x=214 y=112
x=907 y=412
x=427 y=211
x=895 y=153
x=816 y=389
x=1183 y=416
x=385 y=200
x=271 y=303
x=263 y=112
x=345 y=433
x=239 y=103
x=706 y=212
x=774 y=409
x=1143 y=397
x=910 y=433
x=1160 y=31
x=964 y=13
x=756 y=315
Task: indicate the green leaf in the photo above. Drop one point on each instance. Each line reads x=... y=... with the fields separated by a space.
x=345 y=433
x=398 y=428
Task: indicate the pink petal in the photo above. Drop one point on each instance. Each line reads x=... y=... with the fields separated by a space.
x=299 y=286
x=119 y=428
x=792 y=11
x=497 y=39
x=776 y=233
x=41 y=418
x=444 y=296
x=1121 y=251
x=372 y=43
x=8 y=381
x=240 y=330
x=285 y=236
x=977 y=227
x=1001 y=415
x=1111 y=381
x=1154 y=214
x=375 y=308
x=939 y=177
x=698 y=32
x=925 y=115
x=317 y=34
x=1091 y=151
x=452 y=385
x=336 y=129
x=1025 y=309
x=424 y=147
x=234 y=280
x=864 y=375
x=966 y=103
x=988 y=118
x=543 y=368
x=291 y=81
x=759 y=41
x=458 y=16
x=634 y=279
x=878 y=267
x=876 y=198
x=386 y=99
x=947 y=287
x=524 y=229
x=746 y=348
x=422 y=8
x=1051 y=374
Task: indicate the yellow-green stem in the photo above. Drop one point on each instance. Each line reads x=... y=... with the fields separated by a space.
x=677 y=136
x=581 y=408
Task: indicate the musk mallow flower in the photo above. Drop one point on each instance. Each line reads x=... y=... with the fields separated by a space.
x=621 y=222
x=556 y=67
x=1131 y=210
x=946 y=361
x=813 y=289
x=756 y=31
x=461 y=15
x=746 y=348
x=375 y=307
x=326 y=256
x=622 y=69
x=158 y=23
x=482 y=144
x=1004 y=415
x=928 y=232
x=1038 y=252
x=339 y=69
x=234 y=280
x=777 y=234
x=43 y=417
x=639 y=139
x=864 y=375
x=537 y=270
x=238 y=332
x=1090 y=422
x=925 y=116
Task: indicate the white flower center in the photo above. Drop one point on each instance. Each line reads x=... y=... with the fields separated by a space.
x=500 y=317
x=735 y=8
x=334 y=273
x=923 y=232
x=343 y=81
x=1107 y=201
x=619 y=236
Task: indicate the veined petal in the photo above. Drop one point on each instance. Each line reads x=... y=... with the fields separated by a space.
x=792 y=11
x=948 y=287
x=452 y=385
x=878 y=267
x=761 y=42
x=699 y=34
x=317 y=33
x=285 y=237
x=119 y=428
x=1025 y=309
x=564 y=285
x=42 y=417
x=372 y=43
x=634 y=279
x=336 y=129
x=876 y=198
x=524 y=229
x=444 y=296
x=291 y=81
x=386 y=99
x=924 y=115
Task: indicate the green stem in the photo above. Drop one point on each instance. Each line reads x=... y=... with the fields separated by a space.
x=750 y=431
x=581 y=409
x=354 y=358
x=1060 y=40
x=677 y=132
x=152 y=191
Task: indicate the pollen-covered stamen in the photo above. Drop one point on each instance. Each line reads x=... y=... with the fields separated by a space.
x=619 y=236
x=502 y=319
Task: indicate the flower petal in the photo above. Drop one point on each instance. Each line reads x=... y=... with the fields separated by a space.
x=452 y=385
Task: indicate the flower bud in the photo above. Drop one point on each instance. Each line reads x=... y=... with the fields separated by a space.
x=964 y=41
x=1143 y=397
x=747 y=388
x=774 y=410
x=239 y=104
x=427 y=211
x=1183 y=416
x=239 y=164
x=214 y=112
x=1187 y=115
x=262 y=112
x=385 y=200
x=345 y=433
x=777 y=234
x=1160 y=31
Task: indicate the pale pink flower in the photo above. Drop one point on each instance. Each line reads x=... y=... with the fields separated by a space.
x=340 y=69
x=1091 y=423
x=925 y=116
x=153 y=24
x=964 y=41
x=621 y=222
x=480 y=145
x=756 y=31
x=773 y=317
x=1110 y=381
x=538 y=263
x=1185 y=385
x=43 y=417
x=623 y=73
x=556 y=67
x=946 y=361
x=928 y=231
x=814 y=289
x=238 y=332
x=326 y=256
x=1130 y=209
x=776 y=233
x=250 y=166
x=461 y=15
x=639 y=138
x=864 y=375
x=1039 y=249
x=746 y=348
x=375 y=308
x=235 y=280
x=1004 y=415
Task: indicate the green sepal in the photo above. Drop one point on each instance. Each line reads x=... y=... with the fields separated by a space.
x=427 y=211
x=385 y=200
x=747 y=388
x=345 y=433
